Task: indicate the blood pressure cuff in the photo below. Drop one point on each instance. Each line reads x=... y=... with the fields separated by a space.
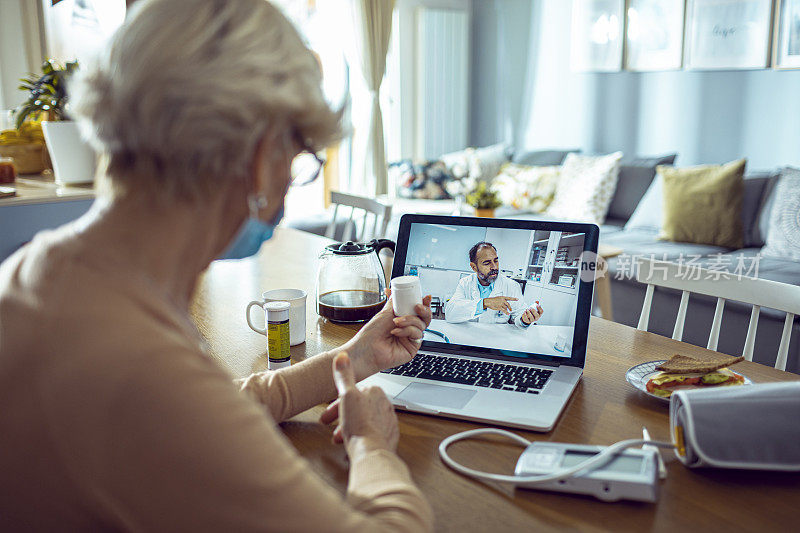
x=753 y=427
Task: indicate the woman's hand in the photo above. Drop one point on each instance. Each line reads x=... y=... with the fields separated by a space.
x=387 y=341
x=366 y=417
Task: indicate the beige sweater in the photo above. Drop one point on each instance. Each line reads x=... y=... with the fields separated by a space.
x=112 y=417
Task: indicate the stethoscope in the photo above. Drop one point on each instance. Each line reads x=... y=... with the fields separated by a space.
x=438 y=333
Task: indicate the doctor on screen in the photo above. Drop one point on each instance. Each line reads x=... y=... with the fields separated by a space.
x=486 y=296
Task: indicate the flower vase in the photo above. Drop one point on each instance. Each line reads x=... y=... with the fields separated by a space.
x=487 y=213
x=73 y=158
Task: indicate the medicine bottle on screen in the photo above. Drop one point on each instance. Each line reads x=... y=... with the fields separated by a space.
x=406 y=293
x=277 y=335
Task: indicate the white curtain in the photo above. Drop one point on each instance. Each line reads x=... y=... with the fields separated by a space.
x=373 y=27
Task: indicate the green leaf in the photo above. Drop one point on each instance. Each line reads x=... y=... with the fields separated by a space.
x=46 y=92
x=22 y=114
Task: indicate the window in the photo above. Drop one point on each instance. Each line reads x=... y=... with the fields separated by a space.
x=320 y=23
x=78 y=29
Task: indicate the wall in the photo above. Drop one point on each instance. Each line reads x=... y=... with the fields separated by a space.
x=444 y=247
x=400 y=138
x=500 y=41
x=513 y=248
x=706 y=117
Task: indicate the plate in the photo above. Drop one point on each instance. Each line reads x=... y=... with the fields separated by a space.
x=639 y=375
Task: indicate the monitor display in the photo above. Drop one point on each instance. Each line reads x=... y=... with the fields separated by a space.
x=512 y=291
x=620 y=464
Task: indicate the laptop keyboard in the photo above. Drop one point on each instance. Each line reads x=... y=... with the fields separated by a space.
x=474 y=372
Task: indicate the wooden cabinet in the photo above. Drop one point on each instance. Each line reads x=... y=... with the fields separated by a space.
x=554 y=260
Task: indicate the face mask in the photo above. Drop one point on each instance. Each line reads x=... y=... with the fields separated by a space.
x=252 y=234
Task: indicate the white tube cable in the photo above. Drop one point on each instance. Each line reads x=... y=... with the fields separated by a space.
x=597 y=460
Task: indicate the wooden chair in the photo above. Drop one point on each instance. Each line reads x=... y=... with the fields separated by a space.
x=369 y=206
x=723 y=286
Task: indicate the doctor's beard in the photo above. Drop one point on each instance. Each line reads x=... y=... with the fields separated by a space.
x=489 y=277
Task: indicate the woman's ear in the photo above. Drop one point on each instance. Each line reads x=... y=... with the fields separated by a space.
x=260 y=169
x=270 y=172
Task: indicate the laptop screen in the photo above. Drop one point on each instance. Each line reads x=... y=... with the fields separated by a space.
x=507 y=289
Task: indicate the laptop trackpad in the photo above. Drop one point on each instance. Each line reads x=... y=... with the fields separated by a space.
x=436 y=395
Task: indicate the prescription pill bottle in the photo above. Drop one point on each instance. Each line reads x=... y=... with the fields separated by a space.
x=277 y=334
x=406 y=293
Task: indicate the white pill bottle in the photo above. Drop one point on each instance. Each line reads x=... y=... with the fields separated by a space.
x=406 y=293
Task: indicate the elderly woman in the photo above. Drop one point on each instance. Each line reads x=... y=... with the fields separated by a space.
x=113 y=417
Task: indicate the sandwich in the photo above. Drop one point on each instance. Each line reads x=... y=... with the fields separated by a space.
x=681 y=372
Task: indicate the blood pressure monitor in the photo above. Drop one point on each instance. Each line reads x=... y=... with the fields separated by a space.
x=631 y=474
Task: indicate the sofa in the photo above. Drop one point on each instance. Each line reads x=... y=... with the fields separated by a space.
x=641 y=240
x=625 y=229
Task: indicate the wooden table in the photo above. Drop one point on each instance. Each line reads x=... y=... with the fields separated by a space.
x=603 y=410
x=41 y=188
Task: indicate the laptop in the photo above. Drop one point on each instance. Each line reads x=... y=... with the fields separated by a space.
x=482 y=361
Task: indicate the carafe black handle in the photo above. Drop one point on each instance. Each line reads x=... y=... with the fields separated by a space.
x=380 y=244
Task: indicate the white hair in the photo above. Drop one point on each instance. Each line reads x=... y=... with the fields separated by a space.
x=187 y=89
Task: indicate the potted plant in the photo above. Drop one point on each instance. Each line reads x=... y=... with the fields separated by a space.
x=73 y=159
x=47 y=97
x=484 y=200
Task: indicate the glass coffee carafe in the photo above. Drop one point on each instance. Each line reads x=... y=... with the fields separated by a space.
x=350 y=281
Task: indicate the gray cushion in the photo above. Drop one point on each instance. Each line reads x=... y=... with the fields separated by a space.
x=766 y=209
x=648 y=214
x=543 y=158
x=783 y=235
x=756 y=185
x=635 y=176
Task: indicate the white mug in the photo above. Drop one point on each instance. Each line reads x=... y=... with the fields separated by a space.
x=297 y=312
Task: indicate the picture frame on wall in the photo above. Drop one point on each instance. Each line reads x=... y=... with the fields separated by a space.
x=786 y=53
x=597 y=35
x=728 y=34
x=654 y=35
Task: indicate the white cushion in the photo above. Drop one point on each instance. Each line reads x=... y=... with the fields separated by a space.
x=585 y=187
x=649 y=214
x=486 y=162
x=527 y=187
x=481 y=163
x=783 y=236
x=457 y=162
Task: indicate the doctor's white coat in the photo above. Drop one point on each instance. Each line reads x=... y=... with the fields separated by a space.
x=462 y=305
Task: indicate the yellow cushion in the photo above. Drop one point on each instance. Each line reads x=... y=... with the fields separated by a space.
x=703 y=204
